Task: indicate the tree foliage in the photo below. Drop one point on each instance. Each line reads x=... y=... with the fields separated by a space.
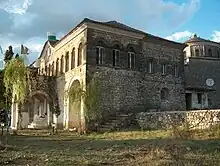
x=90 y=97
x=8 y=54
x=16 y=78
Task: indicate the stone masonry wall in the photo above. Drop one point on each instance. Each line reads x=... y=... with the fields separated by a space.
x=125 y=89
x=199 y=119
x=198 y=71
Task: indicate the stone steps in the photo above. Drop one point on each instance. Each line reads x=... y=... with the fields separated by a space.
x=115 y=123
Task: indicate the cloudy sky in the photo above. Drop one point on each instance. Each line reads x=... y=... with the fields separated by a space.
x=28 y=21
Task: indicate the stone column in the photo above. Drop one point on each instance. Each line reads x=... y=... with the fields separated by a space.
x=82 y=117
x=35 y=106
x=66 y=114
x=40 y=105
x=48 y=114
x=45 y=107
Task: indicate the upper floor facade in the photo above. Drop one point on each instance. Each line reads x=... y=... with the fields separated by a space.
x=201 y=48
x=110 y=44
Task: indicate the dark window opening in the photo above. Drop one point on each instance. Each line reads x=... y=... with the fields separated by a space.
x=197 y=52
x=164 y=94
x=67 y=62
x=52 y=68
x=46 y=70
x=199 y=97
x=80 y=55
x=210 y=52
x=73 y=59
x=57 y=67
x=61 y=65
x=99 y=55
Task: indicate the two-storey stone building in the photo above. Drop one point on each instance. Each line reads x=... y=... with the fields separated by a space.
x=202 y=73
x=136 y=71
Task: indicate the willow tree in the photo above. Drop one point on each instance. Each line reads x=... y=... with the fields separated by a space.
x=16 y=81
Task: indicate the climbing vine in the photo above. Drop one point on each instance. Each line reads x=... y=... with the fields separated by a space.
x=16 y=79
x=90 y=97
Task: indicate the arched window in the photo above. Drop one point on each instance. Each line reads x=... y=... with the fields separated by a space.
x=46 y=70
x=100 y=53
x=73 y=59
x=52 y=68
x=57 y=67
x=164 y=94
x=131 y=58
x=197 y=52
x=49 y=71
x=67 y=61
x=116 y=55
x=210 y=52
x=80 y=51
x=61 y=65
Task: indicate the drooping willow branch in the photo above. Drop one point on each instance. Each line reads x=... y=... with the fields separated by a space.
x=16 y=79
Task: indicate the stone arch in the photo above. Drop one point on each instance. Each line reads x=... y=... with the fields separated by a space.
x=39 y=106
x=117 y=45
x=102 y=42
x=74 y=111
x=41 y=93
x=130 y=48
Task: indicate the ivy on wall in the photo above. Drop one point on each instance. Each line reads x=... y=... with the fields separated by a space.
x=90 y=96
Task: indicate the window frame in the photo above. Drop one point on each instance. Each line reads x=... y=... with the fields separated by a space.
x=116 y=57
x=176 y=71
x=100 y=55
x=150 y=67
x=131 y=64
x=164 y=69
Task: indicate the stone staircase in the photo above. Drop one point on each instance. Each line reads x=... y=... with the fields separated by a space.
x=117 y=122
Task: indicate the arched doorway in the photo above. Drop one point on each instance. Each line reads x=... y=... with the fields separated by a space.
x=74 y=106
x=38 y=109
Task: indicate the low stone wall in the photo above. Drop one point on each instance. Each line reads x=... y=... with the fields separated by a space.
x=199 y=119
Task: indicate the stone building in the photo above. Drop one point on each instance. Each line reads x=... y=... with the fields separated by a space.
x=137 y=72
x=202 y=73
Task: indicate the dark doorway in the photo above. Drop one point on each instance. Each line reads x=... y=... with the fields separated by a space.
x=188 y=101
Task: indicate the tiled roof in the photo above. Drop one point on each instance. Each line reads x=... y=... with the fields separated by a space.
x=195 y=39
x=119 y=25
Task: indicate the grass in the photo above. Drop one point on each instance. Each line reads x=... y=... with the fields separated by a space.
x=117 y=148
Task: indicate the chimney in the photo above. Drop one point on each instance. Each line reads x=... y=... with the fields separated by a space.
x=51 y=36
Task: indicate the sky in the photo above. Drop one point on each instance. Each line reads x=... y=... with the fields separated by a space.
x=28 y=21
